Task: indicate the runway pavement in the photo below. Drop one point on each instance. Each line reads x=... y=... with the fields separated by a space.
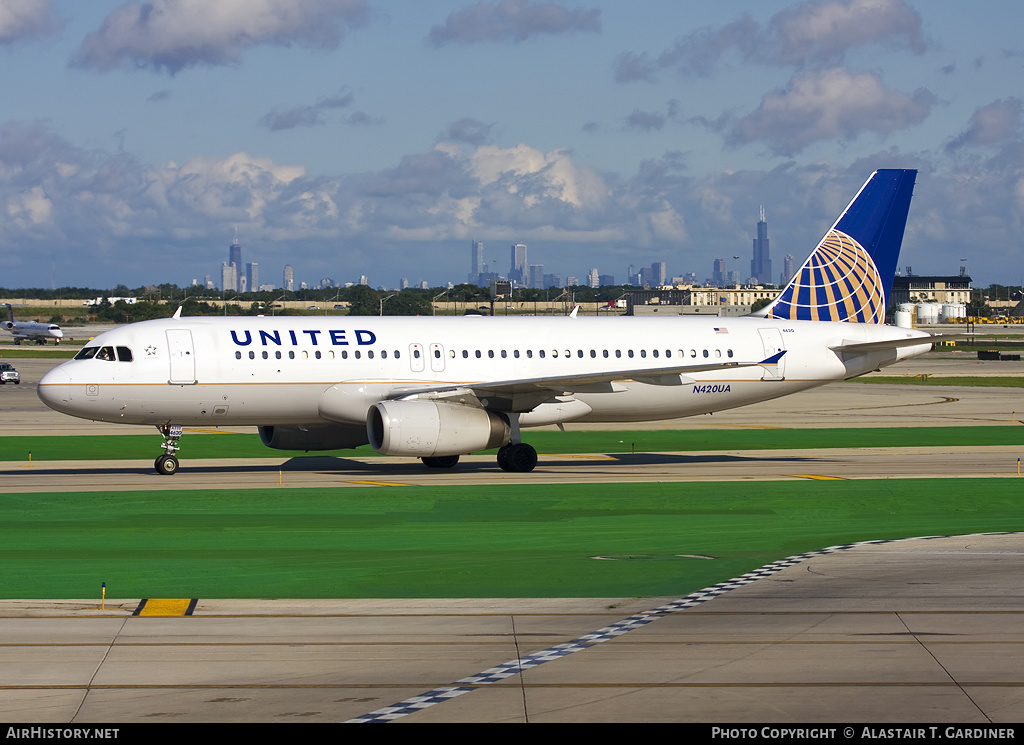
x=905 y=631
x=910 y=631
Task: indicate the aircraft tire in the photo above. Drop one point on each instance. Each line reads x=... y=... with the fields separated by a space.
x=166 y=465
x=440 y=461
x=520 y=458
x=503 y=457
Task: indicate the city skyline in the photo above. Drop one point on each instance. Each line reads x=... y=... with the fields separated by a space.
x=355 y=137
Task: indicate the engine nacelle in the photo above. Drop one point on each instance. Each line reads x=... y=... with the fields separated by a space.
x=427 y=428
x=313 y=438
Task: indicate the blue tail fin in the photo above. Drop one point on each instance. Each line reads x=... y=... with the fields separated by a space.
x=849 y=276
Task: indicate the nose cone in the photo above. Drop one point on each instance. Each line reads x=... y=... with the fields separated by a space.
x=56 y=332
x=54 y=390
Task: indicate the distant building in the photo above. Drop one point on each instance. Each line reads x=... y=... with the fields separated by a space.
x=289 y=278
x=228 y=277
x=788 y=270
x=477 y=265
x=761 y=264
x=659 y=273
x=593 y=278
x=537 y=276
x=654 y=275
x=720 y=274
x=518 y=271
x=606 y=280
x=704 y=301
x=235 y=260
x=930 y=288
x=252 y=276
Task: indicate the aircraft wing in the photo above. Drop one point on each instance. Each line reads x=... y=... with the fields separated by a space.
x=523 y=394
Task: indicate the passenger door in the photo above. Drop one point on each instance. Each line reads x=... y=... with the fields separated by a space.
x=772 y=340
x=182 y=357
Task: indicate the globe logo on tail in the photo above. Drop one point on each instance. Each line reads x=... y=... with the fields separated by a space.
x=839 y=282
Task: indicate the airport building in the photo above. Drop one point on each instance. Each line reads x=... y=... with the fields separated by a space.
x=911 y=288
x=704 y=301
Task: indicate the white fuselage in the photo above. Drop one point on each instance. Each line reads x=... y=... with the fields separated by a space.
x=312 y=371
x=33 y=330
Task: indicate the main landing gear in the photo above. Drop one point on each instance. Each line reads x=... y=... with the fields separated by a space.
x=167 y=464
x=514 y=456
x=517 y=457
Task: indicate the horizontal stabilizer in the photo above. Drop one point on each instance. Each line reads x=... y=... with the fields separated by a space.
x=912 y=341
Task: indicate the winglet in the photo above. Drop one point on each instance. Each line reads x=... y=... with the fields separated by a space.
x=177 y=313
x=575 y=310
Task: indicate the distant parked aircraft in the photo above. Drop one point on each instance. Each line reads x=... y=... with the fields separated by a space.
x=39 y=332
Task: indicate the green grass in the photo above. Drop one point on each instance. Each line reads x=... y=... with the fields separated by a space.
x=472 y=541
x=63 y=352
x=966 y=380
x=197 y=446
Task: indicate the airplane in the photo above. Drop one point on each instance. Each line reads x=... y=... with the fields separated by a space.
x=437 y=388
x=39 y=332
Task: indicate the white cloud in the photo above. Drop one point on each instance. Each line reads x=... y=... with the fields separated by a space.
x=173 y=35
x=826 y=105
x=813 y=33
x=26 y=19
x=29 y=208
x=995 y=124
x=513 y=20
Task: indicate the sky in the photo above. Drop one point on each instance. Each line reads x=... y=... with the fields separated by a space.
x=380 y=137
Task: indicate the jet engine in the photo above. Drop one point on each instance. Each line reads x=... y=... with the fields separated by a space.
x=425 y=429
x=313 y=438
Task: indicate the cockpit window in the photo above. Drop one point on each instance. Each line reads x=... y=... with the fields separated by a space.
x=110 y=354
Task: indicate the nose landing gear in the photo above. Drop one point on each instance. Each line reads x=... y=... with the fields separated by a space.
x=167 y=464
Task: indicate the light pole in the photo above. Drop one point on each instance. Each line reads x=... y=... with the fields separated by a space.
x=382 y=303
x=432 y=311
